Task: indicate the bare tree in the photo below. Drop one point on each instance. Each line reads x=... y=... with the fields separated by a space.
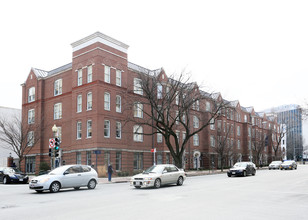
x=224 y=147
x=258 y=144
x=276 y=144
x=18 y=136
x=168 y=105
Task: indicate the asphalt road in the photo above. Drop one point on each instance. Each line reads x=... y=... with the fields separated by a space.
x=271 y=194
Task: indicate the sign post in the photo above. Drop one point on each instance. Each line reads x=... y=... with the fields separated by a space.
x=153 y=150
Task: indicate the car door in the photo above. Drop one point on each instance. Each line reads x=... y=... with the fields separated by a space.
x=174 y=174
x=85 y=175
x=72 y=177
x=166 y=175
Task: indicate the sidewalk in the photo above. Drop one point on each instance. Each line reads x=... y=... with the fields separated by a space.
x=188 y=174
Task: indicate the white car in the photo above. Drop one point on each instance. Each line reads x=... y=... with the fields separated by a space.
x=274 y=165
x=158 y=175
x=69 y=176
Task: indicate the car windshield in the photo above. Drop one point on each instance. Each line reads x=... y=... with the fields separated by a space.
x=288 y=162
x=11 y=170
x=240 y=165
x=276 y=162
x=57 y=171
x=154 y=169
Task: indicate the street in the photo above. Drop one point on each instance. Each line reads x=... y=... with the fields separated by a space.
x=271 y=194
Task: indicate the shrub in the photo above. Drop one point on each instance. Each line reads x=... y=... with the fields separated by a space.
x=44 y=166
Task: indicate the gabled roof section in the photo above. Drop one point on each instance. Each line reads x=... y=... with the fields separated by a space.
x=39 y=73
x=215 y=95
x=234 y=104
x=43 y=74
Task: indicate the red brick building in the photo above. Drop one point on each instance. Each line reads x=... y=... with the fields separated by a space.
x=85 y=99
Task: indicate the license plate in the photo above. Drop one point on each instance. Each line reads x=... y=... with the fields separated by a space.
x=21 y=180
x=233 y=172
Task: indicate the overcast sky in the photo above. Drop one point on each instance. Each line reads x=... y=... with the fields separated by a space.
x=252 y=51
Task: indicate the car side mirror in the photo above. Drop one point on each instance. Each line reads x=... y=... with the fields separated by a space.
x=65 y=173
x=164 y=171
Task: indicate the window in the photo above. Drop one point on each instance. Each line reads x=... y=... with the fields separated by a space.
x=159 y=91
x=57 y=111
x=31 y=94
x=197 y=105
x=138 y=161
x=207 y=106
x=238 y=131
x=89 y=129
x=107 y=101
x=195 y=122
x=89 y=74
x=219 y=125
x=118 y=130
x=78 y=129
x=159 y=158
x=238 y=144
x=138 y=86
x=30 y=164
x=212 y=124
x=118 y=77
x=138 y=133
x=138 y=110
x=78 y=157
x=177 y=119
x=107 y=157
x=118 y=103
x=212 y=140
x=249 y=132
x=30 y=139
x=177 y=98
x=159 y=138
x=79 y=103
x=118 y=161
x=89 y=101
x=107 y=129
x=196 y=140
x=79 y=77
x=58 y=87
x=107 y=74
x=31 y=116
x=183 y=135
x=89 y=159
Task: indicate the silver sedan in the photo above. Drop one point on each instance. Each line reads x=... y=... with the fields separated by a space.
x=69 y=176
x=159 y=175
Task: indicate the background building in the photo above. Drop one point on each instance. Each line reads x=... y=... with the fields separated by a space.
x=291 y=116
x=7 y=114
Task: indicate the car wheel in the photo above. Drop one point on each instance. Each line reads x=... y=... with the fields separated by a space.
x=6 y=180
x=92 y=184
x=244 y=173
x=229 y=175
x=254 y=173
x=137 y=187
x=295 y=168
x=25 y=182
x=157 y=183
x=55 y=187
x=180 y=181
x=76 y=188
x=39 y=191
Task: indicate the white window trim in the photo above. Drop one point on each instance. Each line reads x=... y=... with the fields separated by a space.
x=77 y=131
x=89 y=107
x=89 y=129
x=118 y=76
x=79 y=105
x=107 y=108
x=119 y=110
x=119 y=123
x=108 y=136
x=107 y=74
x=58 y=87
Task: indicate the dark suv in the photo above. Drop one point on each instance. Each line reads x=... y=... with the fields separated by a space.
x=242 y=169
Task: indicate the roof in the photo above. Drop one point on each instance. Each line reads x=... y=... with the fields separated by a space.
x=42 y=73
x=141 y=69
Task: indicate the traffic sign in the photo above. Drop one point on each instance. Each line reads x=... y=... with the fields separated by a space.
x=153 y=150
x=52 y=143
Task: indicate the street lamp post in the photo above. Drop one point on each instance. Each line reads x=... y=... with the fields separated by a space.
x=54 y=131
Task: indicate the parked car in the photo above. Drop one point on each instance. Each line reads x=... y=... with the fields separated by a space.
x=242 y=169
x=275 y=165
x=288 y=165
x=68 y=176
x=12 y=175
x=159 y=175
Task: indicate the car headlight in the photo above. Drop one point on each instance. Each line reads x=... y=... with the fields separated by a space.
x=44 y=180
x=148 y=178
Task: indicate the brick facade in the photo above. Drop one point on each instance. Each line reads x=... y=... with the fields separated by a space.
x=102 y=53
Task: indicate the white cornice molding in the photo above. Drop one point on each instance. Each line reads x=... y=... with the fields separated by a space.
x=102 y=38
